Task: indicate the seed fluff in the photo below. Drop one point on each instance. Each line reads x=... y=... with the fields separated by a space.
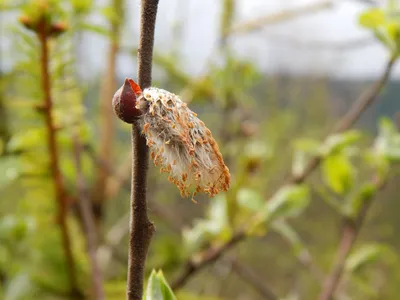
x=180 y=143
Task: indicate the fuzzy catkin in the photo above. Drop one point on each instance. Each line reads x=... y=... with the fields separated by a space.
x=181 y=144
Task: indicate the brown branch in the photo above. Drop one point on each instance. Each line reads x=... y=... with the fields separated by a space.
x=141 y=228
x=283 y=16
x=349 y=235
x=88 y=221
x=193 y=264
x=247 y=275
x=54 y=157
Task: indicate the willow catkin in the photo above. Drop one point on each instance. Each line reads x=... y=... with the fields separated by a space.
x=180 y=143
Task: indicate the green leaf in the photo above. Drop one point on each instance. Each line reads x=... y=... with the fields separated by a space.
x=366 y=255
x=372 y=18
x=366 y=192
x=289 y=201
x=338 y=173
x=250 y=199
x=216 y=225
x=337 y=142
x=158 y=288
x=387 y=143
x=27 y=139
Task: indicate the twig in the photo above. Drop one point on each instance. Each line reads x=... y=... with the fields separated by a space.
x=88 y=221
x=349 y=235
x=208 y=256
x=141 y=229
x=278 y=17
x=54 y=158
x=246 y=274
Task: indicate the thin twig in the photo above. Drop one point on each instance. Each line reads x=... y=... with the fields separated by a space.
x=54 y=158
x=349 y=235
x=283 y=16
x=247 y=275
x=194 y=263
x=88 y=221
x=141 y=228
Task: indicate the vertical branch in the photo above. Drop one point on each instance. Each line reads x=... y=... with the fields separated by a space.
x=54 y=158
x=106 y=125
x=349 y=235
x=88 y=222
x=141 y=229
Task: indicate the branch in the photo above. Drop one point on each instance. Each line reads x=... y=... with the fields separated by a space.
x=88 y=221
x=54 y=158
x=349 y=235
x=283 y=16
x=141 y=229
x=194 y=264
x=246 y=274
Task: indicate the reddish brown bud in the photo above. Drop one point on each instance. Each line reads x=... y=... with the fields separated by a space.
x=58 y=28
x=124 y=101
x=27 y=22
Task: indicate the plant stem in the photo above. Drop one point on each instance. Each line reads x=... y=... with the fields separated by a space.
x=54 y=159
x=141 y=228
x=349 y=235
x=84 y=205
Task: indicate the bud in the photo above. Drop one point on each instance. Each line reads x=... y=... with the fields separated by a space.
x=124 y=101
x=57 y=28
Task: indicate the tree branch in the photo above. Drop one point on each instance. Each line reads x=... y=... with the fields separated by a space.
x=247 y=275
x=349 y=235
x=54 y=157
x=141 y=229
x=283 y=16
x=194 y=264
x=88 y=221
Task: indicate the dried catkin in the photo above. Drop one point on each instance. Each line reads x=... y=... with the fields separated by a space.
x=180 y=143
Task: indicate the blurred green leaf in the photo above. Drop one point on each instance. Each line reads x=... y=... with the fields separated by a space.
x=158 y=288
x=367 y=255
x=289 y=201
x=250 y=199
x=337 y=142
x=27 y=139
x=372 y=18
x=338 y=173
x=387 y=143
x=307 y=145
x=365 y=193
x=287 y=232
x=215 y=225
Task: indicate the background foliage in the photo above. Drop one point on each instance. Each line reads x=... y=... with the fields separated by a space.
x=267 y=125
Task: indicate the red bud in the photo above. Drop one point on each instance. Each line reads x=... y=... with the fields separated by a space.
x=124 y=101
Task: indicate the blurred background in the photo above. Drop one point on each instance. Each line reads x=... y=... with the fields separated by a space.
x=269 y=78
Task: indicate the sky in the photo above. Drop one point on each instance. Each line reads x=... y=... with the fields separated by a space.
x=309 y=44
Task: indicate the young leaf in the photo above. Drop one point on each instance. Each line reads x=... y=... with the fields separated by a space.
x=338 y=173
x=288 y=202
x=367 y=255
x=158 y=288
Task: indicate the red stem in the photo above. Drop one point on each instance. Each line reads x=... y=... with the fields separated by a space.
x=54 y=158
